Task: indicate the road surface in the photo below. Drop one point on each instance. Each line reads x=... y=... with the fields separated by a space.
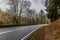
x=16 y=33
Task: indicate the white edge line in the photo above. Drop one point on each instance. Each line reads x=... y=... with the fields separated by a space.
x=31 y=33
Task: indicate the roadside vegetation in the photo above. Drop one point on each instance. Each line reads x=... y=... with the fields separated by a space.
x=49 y=32
x=19 y=13
x=7 y=19
x=53 y=9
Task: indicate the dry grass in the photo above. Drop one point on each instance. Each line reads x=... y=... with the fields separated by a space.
x=50 y=32
x=5 y=18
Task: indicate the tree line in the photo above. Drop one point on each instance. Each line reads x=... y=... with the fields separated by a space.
x=53 y=9
x=23 y=15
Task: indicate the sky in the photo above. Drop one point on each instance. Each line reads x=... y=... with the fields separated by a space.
x=38 y=5
x=3 y=6
x=35 y=4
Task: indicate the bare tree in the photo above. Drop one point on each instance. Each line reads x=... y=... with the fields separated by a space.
x=30 y=15
x=13 y=9
x=33 y=16
x=42 y=16
x=24 y=6
x=16 y=8
x=13 y=6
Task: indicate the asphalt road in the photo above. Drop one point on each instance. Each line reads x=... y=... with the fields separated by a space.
x=16 y=33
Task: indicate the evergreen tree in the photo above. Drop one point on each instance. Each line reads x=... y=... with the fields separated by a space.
x=52 y=9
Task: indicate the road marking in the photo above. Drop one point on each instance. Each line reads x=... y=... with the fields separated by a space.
x=28 y=34
x=6 y=32
x=12 y=30
x=33 y=31
x=19 y=29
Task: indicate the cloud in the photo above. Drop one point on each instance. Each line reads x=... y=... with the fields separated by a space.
x=3 y=6
x=37 y=5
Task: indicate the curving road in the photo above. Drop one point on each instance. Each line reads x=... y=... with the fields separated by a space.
x=16 y=33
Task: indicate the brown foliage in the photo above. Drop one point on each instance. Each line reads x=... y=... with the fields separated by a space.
x=50 y=32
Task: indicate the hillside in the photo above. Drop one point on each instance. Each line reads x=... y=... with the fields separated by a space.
x=5 y=18
x=49 y=32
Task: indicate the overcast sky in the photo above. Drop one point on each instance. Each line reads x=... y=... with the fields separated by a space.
x=36 y=4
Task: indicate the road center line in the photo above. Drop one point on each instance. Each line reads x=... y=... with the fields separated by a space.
x=13 y=30
x=6 y=32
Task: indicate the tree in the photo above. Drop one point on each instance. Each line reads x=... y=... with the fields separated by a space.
x=17 y=6
x=13 y=8
x=29 y=15
x=58 y=6
x=52 y=10
x=33 y=16
x=42 y=16
x=24 y=6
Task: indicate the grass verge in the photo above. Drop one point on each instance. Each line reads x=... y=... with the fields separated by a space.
x=50 y=32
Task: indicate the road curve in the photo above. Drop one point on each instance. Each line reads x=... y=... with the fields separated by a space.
x=16 y=33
